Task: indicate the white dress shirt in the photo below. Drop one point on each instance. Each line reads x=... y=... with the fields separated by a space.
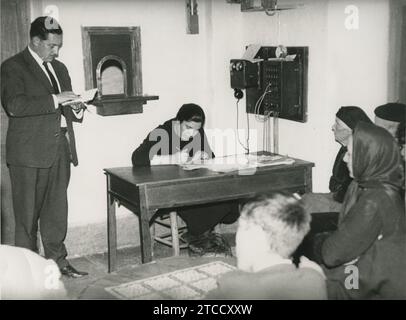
x=37 y=58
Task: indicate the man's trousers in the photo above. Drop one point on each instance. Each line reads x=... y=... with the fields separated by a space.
x=40 y=194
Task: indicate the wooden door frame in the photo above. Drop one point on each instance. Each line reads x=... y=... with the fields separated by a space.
x=15 y=23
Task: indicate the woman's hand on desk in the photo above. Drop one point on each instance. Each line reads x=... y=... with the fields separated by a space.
x=180 y=157
x=200 y=155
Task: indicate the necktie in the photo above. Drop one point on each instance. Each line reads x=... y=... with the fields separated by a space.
x=51 y=76
x=67 y=114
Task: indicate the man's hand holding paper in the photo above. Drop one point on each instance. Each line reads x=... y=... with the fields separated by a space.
x=78 y=103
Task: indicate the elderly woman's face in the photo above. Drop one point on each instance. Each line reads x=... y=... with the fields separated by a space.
x=348 y=156
x=341 y=131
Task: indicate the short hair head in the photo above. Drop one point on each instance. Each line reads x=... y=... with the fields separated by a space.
x=43 y=26
x=283 y=219
x=191 y=112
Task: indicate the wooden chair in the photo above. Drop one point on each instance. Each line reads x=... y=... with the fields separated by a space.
x=172 y=238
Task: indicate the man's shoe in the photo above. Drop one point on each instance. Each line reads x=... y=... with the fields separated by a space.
x=71 y=272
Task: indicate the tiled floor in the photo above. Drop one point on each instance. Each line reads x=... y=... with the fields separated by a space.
x=129 y=268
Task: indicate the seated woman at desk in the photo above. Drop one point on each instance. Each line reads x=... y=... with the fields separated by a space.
x=366 y=257
x=177 y=141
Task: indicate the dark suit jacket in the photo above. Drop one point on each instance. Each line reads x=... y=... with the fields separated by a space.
x=34 y=124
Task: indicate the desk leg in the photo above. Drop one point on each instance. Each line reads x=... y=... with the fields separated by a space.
x=111 y=230
x=145 y=234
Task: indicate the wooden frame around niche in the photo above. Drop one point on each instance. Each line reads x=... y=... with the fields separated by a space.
x=135 y=36
x=132 y=100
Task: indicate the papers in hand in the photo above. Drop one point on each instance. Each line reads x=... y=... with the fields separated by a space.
x=84 y=97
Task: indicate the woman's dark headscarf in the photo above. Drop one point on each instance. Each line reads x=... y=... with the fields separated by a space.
x=375 y=160
x=340 y=180
x=351 y=115
x=376 y=157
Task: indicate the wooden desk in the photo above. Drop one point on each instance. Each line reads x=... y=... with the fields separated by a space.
x=143 y=190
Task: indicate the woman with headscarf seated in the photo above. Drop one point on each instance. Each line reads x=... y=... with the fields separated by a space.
x=365 y=258
x=346 y=120
x=326 y=206
x=178 y=141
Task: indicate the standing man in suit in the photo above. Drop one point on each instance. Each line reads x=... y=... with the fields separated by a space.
x=40 y=142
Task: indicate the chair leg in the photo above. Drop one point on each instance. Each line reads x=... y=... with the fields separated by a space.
x=174 y=231
x=152 y=231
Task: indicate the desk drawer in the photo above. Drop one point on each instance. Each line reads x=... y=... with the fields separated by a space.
x=225 y=188
x=123 y=189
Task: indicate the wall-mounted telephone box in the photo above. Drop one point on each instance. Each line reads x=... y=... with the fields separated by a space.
x=274 y=84
x=244 y=74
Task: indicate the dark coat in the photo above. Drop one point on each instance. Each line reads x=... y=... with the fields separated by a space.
x=340 y=178
x=365 y=258
x=373 y=232
x=34 y=123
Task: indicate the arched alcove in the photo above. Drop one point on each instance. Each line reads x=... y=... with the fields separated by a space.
x=111 y=74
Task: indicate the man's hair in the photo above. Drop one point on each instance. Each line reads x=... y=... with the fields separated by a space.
x=42 y=26
x=191 y=112
x=283 y=219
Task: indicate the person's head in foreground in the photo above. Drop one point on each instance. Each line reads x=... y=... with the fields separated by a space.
x=25 y=275
x=270 y=226
x=346 y=120
x=270 y=229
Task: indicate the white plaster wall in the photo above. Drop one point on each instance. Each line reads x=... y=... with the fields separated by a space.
x=174 y=67
x=345 y=68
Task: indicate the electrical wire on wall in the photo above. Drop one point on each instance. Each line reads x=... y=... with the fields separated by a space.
x=265 y=119
x=246 y=148
x=257 y=108
x=276 y=132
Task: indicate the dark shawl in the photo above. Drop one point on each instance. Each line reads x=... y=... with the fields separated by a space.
x=371 y=233
x=340 y=179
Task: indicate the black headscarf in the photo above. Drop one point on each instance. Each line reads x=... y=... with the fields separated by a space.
x=340 y=179
x=351 y=115
x=375 y=160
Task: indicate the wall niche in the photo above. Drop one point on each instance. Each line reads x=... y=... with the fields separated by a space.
x=112 y=63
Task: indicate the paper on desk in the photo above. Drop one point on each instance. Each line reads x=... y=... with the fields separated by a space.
x=86 y=96
x=238 y=162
